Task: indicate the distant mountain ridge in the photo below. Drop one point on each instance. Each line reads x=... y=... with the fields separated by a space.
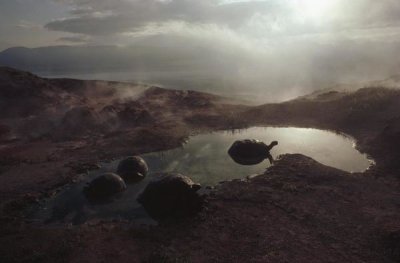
x=66 y=58
x=142 y=56
x=156 y=63
x=177 y=63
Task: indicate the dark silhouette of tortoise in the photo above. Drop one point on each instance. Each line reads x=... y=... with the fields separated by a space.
x=133 y=169
x=251 y=152
x=171 y=196
x=103 y=187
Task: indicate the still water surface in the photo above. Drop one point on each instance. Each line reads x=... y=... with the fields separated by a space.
x=204 y=158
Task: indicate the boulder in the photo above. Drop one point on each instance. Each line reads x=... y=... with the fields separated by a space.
x=171 y=196
x=133 y=169
x=104 y=187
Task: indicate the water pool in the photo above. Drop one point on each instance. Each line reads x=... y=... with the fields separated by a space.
x=204 y=158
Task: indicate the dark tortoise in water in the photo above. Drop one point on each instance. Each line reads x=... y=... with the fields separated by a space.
x=133 y=169
x=251 y=152
x=171 y=196
x=104 y=187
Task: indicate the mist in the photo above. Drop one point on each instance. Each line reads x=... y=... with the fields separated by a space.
x=273 y=73
x=258 y=50
x=199 y=131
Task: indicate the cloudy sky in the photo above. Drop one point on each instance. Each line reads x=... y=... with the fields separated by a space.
x=300 y=34
x=48 y=22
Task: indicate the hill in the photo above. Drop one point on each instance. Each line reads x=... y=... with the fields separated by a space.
x=54 y=130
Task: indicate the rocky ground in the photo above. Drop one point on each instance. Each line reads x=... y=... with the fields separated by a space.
x=298 y=211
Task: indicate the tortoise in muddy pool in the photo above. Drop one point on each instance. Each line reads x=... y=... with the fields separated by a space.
x=104 y=187
x=171 y=196
x=251 y=152
x=133 y=169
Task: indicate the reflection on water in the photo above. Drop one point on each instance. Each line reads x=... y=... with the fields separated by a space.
x=204 y=159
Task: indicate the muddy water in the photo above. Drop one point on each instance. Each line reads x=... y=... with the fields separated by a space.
x=204 y=159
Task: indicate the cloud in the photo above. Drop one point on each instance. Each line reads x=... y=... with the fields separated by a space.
x=280 y=48
x=103 y=17
x=74 y=39
x=28 y=25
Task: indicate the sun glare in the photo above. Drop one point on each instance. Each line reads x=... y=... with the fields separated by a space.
x=314 y=10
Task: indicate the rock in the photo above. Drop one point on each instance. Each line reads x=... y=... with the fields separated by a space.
x=109 y=116
x=171 y=196
x=392 y=245
x=78 y=121
x=250 y=152
x=4 y=131
x=82 y=168
x=134 y=114
x=133 y=169
x=387 y=144
x=104 y=187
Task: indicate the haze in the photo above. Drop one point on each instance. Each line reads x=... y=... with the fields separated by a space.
x=268 y=50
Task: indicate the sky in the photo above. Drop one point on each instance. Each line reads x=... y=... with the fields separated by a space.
x=298 y=37
x=34 y=23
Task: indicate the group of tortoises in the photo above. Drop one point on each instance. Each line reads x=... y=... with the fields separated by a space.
x=168 y=195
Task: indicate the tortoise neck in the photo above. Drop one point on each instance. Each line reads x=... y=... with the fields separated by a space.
x=271 y=145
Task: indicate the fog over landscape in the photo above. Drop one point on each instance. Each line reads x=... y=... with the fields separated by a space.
x=267 y=50
x=199 y=131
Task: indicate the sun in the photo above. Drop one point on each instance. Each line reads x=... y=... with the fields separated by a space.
x=314 y=10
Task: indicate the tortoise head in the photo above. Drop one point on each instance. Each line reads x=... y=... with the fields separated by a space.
x=273 y=144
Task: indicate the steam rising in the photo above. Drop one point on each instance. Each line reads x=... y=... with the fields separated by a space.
x=271 y=50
